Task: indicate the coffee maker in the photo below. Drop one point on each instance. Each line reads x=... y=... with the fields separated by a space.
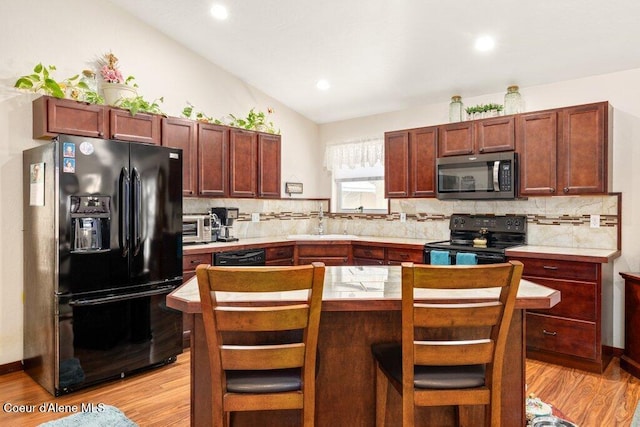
x=225 y=217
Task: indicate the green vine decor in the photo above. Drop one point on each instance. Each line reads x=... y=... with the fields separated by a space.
x=41 y=80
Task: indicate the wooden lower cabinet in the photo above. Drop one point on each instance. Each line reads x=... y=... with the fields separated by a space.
x=330 y=253
x=368 y=255
x=191 y=261
x=386 y=255
x=630 y=360
x=279 y=255
x=569 y=334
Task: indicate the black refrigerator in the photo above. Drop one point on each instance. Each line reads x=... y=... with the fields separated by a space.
x=102 y=249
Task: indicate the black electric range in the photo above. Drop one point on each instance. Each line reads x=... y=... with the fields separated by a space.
x=500 y=231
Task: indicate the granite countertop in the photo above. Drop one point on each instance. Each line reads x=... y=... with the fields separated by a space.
x=530 y=251
x=369 y=288
x=563 y=253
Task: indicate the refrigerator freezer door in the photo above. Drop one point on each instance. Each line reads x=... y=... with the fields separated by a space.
x=156 y=214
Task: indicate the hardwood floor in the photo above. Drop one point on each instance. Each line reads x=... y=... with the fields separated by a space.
x=589 y=400
x=161 y=397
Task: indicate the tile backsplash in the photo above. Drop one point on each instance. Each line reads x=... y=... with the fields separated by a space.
x=552 y=221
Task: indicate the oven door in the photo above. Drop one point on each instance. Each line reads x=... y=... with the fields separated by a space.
x=483 y=256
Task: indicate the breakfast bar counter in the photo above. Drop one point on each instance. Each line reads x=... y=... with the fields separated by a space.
x=361 y=306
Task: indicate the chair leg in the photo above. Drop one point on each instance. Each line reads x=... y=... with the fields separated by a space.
x=382 y=385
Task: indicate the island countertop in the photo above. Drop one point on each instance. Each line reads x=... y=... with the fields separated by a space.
x=373 y=288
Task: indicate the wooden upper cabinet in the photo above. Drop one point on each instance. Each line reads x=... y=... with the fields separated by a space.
x=213 y=160
x=583 y=153
x=536 y=145
x=455 y=139
x=269 y=165
x=396 y=164
x=495 y=134
x=243 y=163
x=142 y=127
x=410 y=158
x=564 y=151
x=181 y=133
x=422 y=161
x=53 y=116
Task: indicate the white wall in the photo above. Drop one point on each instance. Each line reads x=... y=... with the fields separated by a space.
x=621 y=89
x=71 y=34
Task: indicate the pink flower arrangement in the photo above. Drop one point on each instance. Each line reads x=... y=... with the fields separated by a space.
x=109 y=68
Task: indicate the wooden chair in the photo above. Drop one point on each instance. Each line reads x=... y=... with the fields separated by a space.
x=443 y=360
x=262 y=350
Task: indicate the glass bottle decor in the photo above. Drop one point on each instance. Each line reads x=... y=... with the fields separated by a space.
x=456 y=109
x=513 y=101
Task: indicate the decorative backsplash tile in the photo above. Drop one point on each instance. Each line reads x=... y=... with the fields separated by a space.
x=551 y=221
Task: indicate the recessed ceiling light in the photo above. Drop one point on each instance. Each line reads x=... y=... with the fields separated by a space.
x=485 y=43
x=219 y=12
x=323 y=84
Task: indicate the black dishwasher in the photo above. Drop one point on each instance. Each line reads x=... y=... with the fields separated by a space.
x=239 y=258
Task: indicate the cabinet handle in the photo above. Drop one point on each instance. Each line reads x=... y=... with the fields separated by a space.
x=553 y=334
x=481 y=150
x=380 y=262
x=565 y=189
x=552 y=190
x=195 y=261
x=100 y=134
x=549 y=267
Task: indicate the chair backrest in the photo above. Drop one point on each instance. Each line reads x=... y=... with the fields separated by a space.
x=245 y=325
x=448 y=333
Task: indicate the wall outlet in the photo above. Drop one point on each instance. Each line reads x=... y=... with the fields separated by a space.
x=403 y=217
x=255 y=217
x=594 y=221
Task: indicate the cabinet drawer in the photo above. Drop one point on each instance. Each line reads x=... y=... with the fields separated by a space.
x=190 y=262
x=337 y=261
x=279 y=252
x=572 y=337
x=569 y=270
x=367 y=261
x=320 y=251
x=404 y=255
x=368 y=252
x=578 y=299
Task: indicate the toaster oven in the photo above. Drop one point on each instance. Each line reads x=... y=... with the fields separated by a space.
x=196 y=228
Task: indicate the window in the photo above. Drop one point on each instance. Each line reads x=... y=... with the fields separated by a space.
x=358 y=176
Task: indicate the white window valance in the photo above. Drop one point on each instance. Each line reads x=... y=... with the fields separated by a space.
x=354 y=154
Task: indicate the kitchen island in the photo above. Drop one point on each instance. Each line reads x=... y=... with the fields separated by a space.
x=361 y=306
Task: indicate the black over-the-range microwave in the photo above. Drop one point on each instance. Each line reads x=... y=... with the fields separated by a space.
x=479 y=176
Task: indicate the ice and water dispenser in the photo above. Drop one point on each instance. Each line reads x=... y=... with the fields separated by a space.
x=90 y=222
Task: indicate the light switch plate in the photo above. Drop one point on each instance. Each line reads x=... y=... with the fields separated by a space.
x=403 y=217
x=255 y=217
x=594 y=221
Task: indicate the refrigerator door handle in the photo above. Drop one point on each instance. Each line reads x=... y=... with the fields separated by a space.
x=125 y=189
x=117 y=298
x=137 y=206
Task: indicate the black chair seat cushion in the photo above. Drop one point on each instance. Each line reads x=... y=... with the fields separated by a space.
x=272 y=381
x=389 y=355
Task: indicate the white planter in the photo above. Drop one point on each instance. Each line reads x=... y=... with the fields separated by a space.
x=112 y=92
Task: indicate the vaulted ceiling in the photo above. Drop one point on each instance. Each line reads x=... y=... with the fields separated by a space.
x=381 y=56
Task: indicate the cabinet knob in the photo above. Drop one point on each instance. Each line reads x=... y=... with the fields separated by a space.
x=552 y=190
x=565 y=189
x=100 y=134
x=481 y=150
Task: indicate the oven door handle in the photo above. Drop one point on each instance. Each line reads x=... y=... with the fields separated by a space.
x=118 y=298
x=496 y=176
